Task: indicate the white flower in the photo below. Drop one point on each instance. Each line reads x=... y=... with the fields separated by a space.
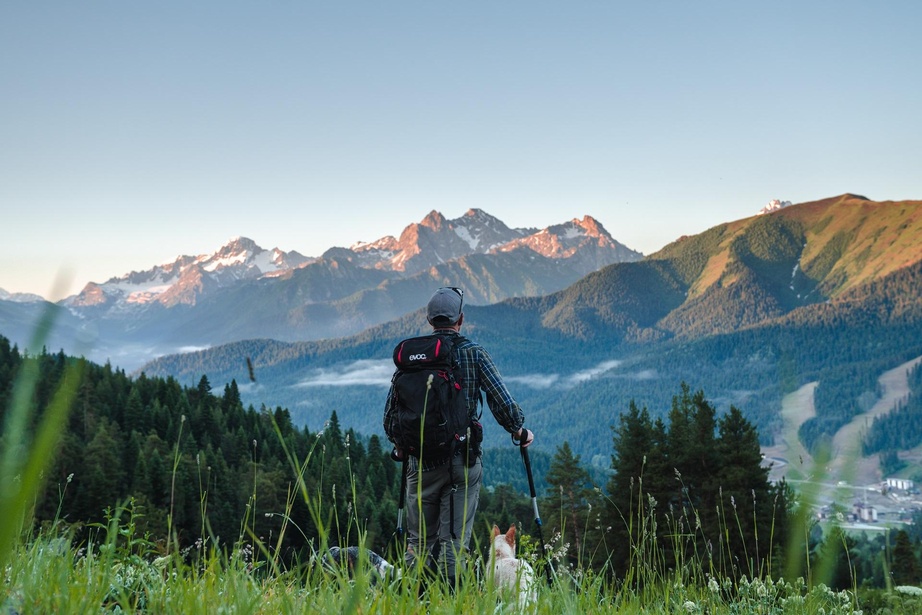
x=690 y=607
x=910 y=590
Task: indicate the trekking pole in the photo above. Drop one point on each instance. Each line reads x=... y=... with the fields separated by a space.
x=403 y=501
x=402 y=498
x=534 y=505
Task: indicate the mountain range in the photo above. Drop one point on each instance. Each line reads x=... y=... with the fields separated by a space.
x=243 y=291
x=748 y=311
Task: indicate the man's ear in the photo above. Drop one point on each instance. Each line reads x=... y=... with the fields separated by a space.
x=460 y=319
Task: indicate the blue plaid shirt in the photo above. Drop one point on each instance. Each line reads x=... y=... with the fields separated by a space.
x=479 y=373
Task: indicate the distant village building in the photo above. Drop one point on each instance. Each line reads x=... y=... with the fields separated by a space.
x=866 y=513
x=899 y=483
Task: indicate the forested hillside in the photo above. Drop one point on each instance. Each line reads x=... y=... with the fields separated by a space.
x=845 y=344
x=217 y=468
x=198 y=463
x=901 y=429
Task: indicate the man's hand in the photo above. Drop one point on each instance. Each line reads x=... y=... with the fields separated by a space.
x=524 y=437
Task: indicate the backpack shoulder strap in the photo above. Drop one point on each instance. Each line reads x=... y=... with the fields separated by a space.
x=457 y=341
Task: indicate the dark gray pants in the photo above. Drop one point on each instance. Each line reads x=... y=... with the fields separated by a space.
x=431 y=526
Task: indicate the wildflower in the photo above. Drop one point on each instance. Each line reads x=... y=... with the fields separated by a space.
x=70 y=477
x=690 y=607
x=909 y=590
x=713 y=585
x=182 y=419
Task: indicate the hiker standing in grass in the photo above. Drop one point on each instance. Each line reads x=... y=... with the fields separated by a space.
x=443 y=492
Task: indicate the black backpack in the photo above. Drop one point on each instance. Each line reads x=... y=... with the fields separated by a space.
x=433 y=419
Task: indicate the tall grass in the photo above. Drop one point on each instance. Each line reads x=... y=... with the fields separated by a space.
x=26 y=454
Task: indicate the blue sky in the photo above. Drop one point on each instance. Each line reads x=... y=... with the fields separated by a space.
x=133 y=132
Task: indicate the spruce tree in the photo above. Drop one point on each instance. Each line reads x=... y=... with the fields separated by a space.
x=629 y=502
x=906 y=567
x=747 y=498
x=570 y=496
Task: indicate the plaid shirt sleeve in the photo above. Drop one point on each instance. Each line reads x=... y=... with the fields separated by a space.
x=480 y=373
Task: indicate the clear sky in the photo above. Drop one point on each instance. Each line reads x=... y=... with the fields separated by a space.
x=133 y=132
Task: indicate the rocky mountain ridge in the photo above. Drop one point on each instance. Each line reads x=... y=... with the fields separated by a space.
x=433 y=241
x=243 y=291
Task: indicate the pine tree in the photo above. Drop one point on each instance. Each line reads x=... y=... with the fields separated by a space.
x=906 y=567
x=628 y=502
x=571 y=494
x=744 y=485
x=135 y=419
x=835 y=560
x=99 y=482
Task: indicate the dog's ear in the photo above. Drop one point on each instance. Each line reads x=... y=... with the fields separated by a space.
x=495 y=530
x=510 y=536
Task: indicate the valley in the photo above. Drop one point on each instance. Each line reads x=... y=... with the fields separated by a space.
x=848 y=477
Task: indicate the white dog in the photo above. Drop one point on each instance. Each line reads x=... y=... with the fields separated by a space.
x=511 y=574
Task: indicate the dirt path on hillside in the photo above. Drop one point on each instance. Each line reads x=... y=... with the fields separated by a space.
x=788 y=458
x=847 y=463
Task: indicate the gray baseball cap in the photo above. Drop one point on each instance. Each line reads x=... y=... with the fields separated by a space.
x=445 y=306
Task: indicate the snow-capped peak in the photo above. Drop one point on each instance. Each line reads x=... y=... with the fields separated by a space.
x=774 y=205
x=182 y=280
x=20 y=297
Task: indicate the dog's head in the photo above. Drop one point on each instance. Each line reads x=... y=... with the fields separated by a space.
x=504 y=544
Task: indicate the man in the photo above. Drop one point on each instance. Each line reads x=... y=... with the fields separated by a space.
x=447 y=492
